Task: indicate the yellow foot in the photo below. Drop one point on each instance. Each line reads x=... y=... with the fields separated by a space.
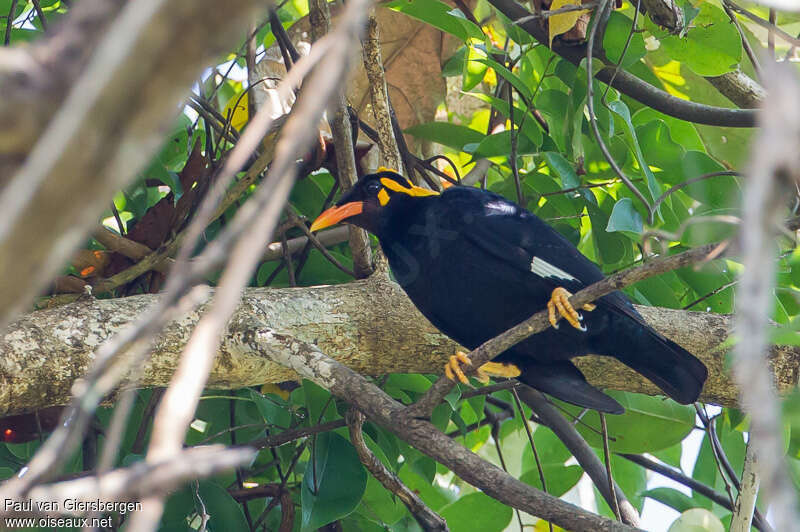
x=453 y=371
x=496 y=369
x=559 y=300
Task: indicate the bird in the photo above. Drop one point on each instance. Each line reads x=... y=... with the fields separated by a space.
x=475 y=264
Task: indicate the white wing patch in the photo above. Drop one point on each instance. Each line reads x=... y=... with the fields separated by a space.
x=499 y=208
x=543 y=268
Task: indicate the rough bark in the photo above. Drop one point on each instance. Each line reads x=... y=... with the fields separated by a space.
x=369 y=325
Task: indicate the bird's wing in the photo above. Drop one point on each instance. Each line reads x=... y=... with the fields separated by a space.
x=523 y=240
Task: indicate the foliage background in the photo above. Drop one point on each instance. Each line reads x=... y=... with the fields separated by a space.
x=547 y=160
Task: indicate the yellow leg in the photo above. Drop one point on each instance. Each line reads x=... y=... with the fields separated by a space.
x=496 y=369
x=452 y=369
x=559 y=301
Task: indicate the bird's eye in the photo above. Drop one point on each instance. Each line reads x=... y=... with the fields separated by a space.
x=374 y=187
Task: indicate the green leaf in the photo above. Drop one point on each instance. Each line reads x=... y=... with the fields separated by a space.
x=552 y=103
x=499 y=145
x=697 y=520
x=621 y=110
x=522 y=119
x=319 y=270
x=648 y=424
x=474 y=66
x=510 y=77
x=225 y=513
x=632 y=480
x=670 y=455
x=319 y=403
x=655 y=139
x=718 y=192
x=435 y=496
x=413 y=382
x=455 y=65
x=683 y=133
x=380 y=504
x=333 y=483
x=615 y=37
x=274 y=409
x=705 y=470
x=307 y=196
x=223 y=510
x=563 y=169
x=477 y=511
x=610 y=247
x=439 y=15
x=671 y=497
x=625 y=217
x=712 y=46
x=447 y=134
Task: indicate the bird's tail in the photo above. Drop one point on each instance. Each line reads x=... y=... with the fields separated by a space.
x=564 y=381
x=669 y=366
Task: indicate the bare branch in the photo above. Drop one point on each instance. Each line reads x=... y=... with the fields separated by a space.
x=373 y=65
x=427 y=518
x=745 y=505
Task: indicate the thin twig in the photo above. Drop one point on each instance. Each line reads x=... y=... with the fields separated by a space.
x=40 y=13
x=527 y=426
x=566 y=9
x=711 y=294
x=771 y=27
x=692 y=181
x=427 y=518
x=607 y=460
x=10 y=21
x=745 y=43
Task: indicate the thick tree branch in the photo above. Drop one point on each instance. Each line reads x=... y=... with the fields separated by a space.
x=370 y=325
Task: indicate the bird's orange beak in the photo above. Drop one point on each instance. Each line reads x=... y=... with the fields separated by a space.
x=334 y=215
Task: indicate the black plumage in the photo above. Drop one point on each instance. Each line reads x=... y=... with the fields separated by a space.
x=476 y=264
